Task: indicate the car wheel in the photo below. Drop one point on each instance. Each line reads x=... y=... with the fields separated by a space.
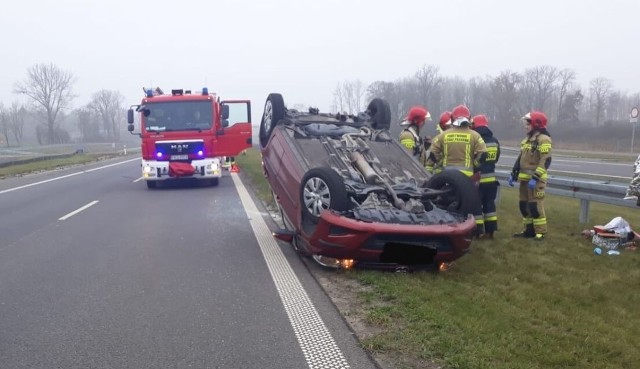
x=462 y=196
x=380 y=114
x=321 y=189
x=273 y=113
x=151 y=184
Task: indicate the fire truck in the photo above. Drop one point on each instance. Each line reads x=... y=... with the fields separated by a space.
x=189 y=135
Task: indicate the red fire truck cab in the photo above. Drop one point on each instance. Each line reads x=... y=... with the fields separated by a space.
x=189 y=135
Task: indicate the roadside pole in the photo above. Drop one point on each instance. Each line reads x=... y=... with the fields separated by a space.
x=633 y=119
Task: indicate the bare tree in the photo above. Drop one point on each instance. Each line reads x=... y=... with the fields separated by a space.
x=50 y=87
x=566 y=79
x=600 y=90
x=348 y=95
x=16 y=115
x=338 y=98
x=543 y=79
x=428 y=80
x=504 y=89
x=4 y=125
x=108 y=107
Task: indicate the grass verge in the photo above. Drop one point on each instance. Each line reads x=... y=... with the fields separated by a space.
x=20 y=169
x=510 y=303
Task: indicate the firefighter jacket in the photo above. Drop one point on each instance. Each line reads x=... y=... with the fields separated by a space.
x=459 y=148
x=535 y=157
x=488 y=168
x=410 y=140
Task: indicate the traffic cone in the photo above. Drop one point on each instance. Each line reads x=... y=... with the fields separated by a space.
x=235 y=168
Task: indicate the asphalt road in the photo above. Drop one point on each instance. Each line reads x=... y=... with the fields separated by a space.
x=97 y=271
x=573 y=166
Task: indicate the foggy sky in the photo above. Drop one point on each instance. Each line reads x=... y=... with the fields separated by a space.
x=302 y=49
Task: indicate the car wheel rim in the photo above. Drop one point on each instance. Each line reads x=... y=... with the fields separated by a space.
x=316 y=196
x=268 y=114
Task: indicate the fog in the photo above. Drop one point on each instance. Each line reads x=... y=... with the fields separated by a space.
x=303 y=49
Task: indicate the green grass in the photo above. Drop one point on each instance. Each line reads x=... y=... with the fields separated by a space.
x=251 y=164
x=20 y=169
x=510 y=303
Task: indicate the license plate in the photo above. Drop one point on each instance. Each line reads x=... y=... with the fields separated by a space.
x=179 y=157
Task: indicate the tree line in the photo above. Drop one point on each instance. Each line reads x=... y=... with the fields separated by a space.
x=503 y=98
x=596 y=109
x=49 y=92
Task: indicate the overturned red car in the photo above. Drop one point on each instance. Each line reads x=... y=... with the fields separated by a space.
x=350 y=195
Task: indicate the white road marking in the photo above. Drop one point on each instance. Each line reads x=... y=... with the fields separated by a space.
x=78 y=210
x=137 y=180
x=318 y=346
x=65 y=176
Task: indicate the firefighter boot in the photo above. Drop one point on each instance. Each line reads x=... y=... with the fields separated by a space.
x=528 y=232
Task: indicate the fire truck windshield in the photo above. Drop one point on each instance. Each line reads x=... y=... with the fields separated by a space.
x=178 y=116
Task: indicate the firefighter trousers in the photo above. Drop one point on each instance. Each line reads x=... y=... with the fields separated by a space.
x=532 y=206
x=488 y=192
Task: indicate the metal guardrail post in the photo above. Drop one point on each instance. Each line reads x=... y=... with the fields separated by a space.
x=584 y=211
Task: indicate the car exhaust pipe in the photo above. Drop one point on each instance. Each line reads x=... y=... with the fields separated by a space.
x=363 y=167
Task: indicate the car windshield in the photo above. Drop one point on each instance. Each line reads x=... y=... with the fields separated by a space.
x=178 y=116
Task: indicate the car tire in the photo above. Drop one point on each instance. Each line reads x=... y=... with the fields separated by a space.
x=463 y=197
x=380 y=113
x=320 y=189
x=273 y=112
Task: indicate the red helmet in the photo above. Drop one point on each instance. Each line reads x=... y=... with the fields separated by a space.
x=417 y=115
x=480 y=121
x=460 y=115
x=537 y=119
x=445 y=120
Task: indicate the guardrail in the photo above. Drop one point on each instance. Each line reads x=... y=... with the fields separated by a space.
x=586 y=190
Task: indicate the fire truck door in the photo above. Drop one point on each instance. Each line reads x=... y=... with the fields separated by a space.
x=236 y=133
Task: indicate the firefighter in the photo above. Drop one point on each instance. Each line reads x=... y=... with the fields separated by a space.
x=443 y=124
x=530 y=171
x=488 y=187
x=410 y=135
x=460 y=148
x=633 y=190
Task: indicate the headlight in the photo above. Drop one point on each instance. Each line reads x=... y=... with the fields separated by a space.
x=213 y=167
x=147 y=169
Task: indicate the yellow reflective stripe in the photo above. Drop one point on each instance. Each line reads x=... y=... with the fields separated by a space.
x=487 y=179
x=524 y=177
x=544 y=148
x=408 y=143
x=526 y=221
x=490 y=219
x=539 y=221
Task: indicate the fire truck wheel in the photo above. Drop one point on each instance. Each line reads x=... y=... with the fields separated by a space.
x=151 y=184
x=214 y=182
x=273 y=113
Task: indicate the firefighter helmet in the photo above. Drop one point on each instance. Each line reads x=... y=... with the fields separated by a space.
x=460 y=115
x=537 y=119
x=445 y=120
x=480 y=121
x=417 y=115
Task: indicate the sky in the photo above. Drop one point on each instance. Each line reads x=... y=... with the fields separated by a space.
x=244 y=49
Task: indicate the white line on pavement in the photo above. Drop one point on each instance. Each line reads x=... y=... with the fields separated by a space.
x=65 y=176
x=318 y=346
x=78 y=210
